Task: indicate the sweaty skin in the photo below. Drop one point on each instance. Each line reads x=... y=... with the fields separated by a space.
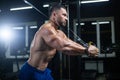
x=49 y=38
x=45 y=43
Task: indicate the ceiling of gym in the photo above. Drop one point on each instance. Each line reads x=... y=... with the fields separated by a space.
x=89 y=10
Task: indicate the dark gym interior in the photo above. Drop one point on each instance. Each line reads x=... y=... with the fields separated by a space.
x=99 y=23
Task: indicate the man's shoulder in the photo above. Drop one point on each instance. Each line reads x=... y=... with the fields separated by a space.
x=45 y=26
x=45 y=29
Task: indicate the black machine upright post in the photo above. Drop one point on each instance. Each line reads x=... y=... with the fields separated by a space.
x=79 y=33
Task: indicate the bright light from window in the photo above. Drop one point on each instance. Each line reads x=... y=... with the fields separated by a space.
x=80 y=24
x=5 y=34
x=33 y=27
x=18 y=28
x=105 y=22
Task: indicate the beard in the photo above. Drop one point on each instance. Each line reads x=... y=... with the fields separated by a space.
x=61 y=23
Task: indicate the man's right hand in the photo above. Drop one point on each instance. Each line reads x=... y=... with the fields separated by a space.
x=93 y=51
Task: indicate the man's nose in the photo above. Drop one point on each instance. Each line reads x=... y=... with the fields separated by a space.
x=66 y=18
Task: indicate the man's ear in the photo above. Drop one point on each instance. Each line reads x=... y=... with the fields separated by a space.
x=54 y=13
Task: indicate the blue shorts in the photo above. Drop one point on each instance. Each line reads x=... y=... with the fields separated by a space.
x=28 y=72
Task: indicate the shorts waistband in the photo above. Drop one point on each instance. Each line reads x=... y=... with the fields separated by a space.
x=35 y=69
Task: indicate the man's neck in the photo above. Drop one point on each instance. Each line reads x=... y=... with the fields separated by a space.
x=54 y=24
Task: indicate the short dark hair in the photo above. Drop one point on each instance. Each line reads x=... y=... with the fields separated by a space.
x=55 y=6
